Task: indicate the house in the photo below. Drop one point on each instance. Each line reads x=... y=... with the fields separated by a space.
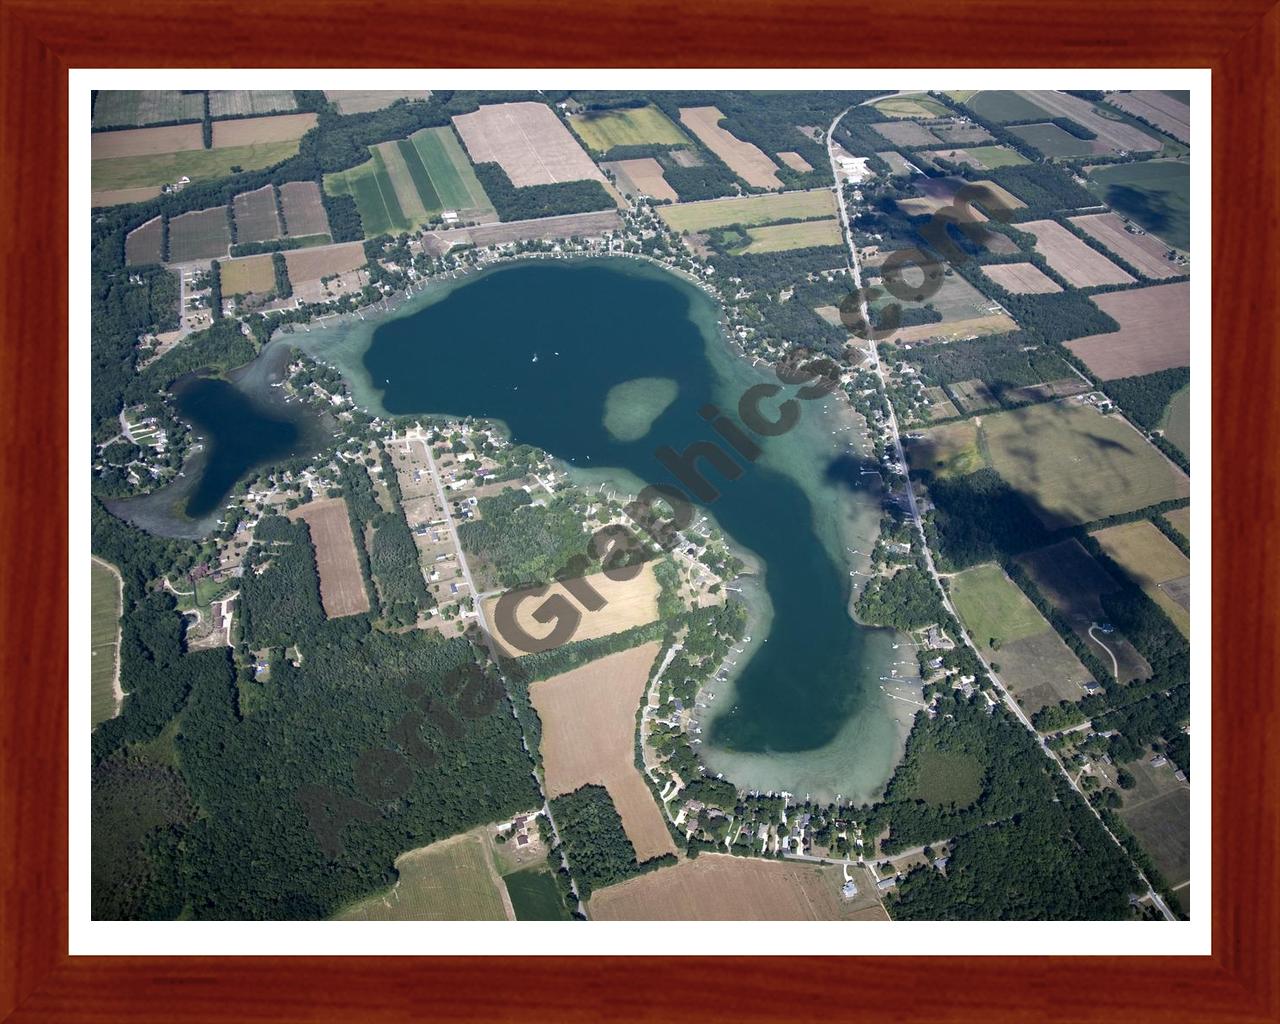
x=849 y=890
x=522 y=840
x=885 y=884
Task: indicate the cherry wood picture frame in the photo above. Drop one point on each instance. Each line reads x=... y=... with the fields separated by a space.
x=41 y=39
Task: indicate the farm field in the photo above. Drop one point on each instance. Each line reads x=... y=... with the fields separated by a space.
x=952 y=449
x=252 y=131
x=954 y=134
x=972 y=395
x=743 y=158
x=375 y=196
x=779 y=237
x=896 y=161
x=361 y=101
x=1075 y=261
x=643 y=176
x=721 y=887
x=1144 y=251
x=104 y=640
x=144 y=244
x=200 y=235
x=130 y=172
x=906 y=133
x=1041 y=670
x=1155 y=332
x=452 y=177
x=242 y=102
x=255 y=214
x=123 y=108
x=452 y=880
x=535 y=896
x=588 y=736
x=1180 y=520
x=796 y=162
x=414 y=195
x=628 y=603
x=1004 y=105
x=1170 y=115
x=993 y=607
x=601 y=130
x=1054 y=142
x=965 y=312
x=1177 y=421
x=1155 y=564
x=1155 y=193
x=248 y=275
x=1021 y=278
x=1158 y=812
x=341 y=584
x=528 y=141
x=940 y=192
x=307 y=266
x=940 y=406
x=120 y=196
x=1072 y=581
x=1119 y=135
x=984 y=158
x=749 y=211
x=919 y=105
x=1073 y=465
x=146 y=141
x=585 y=224
x=302 y=209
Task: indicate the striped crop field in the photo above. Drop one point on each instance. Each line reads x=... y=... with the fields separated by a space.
x=453 y=180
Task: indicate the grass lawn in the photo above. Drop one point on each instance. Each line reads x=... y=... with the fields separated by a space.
x=104 y=633
x=452 y=880
x=948 y=777
x=601 y=130
x=1155 y=193
x=535 y=896
x=749 y=210
x=1155 y=563
x=197 y=164
x=961 y=95
x=993 y=607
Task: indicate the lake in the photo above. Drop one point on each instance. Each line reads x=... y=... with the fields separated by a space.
x=601 y=362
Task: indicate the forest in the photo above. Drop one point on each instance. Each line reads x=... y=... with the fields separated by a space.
x=1144 y=399
x=532 y=201
x=527 y=543
x=598 y=849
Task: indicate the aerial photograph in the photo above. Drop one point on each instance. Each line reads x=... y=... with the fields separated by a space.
x=581 y=505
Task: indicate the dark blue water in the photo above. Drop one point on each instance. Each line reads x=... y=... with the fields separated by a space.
x=592 y=326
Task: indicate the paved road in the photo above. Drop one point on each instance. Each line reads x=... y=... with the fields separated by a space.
x=913 y=506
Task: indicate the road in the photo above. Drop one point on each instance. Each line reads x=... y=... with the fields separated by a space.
x=478 y=603
x=914 y=508
x=1115 y=666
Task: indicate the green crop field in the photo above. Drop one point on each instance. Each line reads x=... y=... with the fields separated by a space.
x=128 y=108
x=451 y=880
x=1155 y=193
x=749 y=210
x=992 y=157
x=451 y=173
x=535 y=896
x=121 y=172
x=104 y=633
x=911 y=106
x=421 y=179
x=1051 y=140
x=601 y=130
x=992 y=607
x=1004 y=105
x=803 y=235
x=374 y=194
x=1075 y=466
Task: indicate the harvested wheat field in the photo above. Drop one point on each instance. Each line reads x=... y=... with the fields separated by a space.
x=248 y=131
x=321 y=261
x=744 y=159
x=643 y=176
x=341 y=585
x=528 y=141
x=1130 y=243
x=588 y=736
x=796 y=162
x=721 y=887
x=1021 y=278
x=627 y=603
x=303 y=209
x=1076 y=262
x=147 y=141
x=1155 y=332
x=249 y=275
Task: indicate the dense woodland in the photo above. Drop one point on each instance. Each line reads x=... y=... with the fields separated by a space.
x=598 y=849
x=524 y=542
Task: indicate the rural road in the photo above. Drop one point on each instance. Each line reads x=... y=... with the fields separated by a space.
x=874 y=356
